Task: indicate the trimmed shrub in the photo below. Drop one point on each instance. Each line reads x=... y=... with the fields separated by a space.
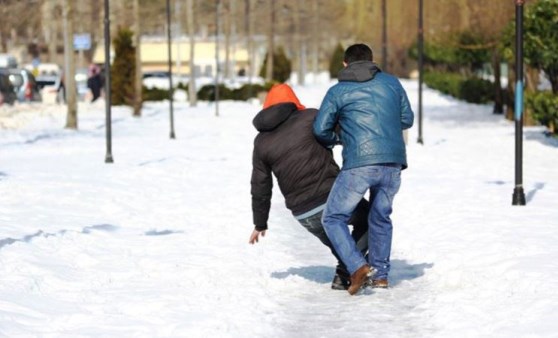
x=207 y=93
x=476 y=90
x=336 y=61
x=472 y=89
x=247 y=91
x=447 y=83
x=544 y=106
x=154 y=94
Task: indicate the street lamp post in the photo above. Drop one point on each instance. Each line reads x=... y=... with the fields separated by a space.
x=518 y=194
x=420 y=46
x=172 y=135
x=108 y=122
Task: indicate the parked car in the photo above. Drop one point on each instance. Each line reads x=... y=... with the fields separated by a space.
x=25 y=85
x=7 y=92
x=7 y=61
x=46 y=74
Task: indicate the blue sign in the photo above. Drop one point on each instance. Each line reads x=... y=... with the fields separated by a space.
x=82 y=41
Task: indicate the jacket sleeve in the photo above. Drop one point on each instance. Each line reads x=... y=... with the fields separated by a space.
x=407 y=115
x=261 y=188
x=326 y=120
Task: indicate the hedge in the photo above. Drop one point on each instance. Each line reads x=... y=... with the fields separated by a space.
x=544 y=106
x=472 y=89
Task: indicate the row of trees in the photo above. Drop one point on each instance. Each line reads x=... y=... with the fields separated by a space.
x=308 y=30
x=457 y=64
x=461 y=35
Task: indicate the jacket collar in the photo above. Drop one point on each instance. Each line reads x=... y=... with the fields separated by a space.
x=359 y=71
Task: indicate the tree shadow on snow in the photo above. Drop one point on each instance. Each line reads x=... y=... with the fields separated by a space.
x=26 y=239
x=542 y=137
x=400 y=271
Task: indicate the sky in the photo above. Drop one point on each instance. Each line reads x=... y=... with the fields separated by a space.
x=156 y=243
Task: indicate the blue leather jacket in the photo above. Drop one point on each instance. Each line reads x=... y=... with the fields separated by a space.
x=371 y=110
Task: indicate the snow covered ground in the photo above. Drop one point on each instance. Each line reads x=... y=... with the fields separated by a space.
x=156 y=244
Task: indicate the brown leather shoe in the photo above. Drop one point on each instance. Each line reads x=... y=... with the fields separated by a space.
x=359 y=278
x=379 y=283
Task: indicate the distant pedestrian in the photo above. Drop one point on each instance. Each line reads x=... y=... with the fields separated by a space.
x=371 y=109
x=94 y=82
x=61 y=89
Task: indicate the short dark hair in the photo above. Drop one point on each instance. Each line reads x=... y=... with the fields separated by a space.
x=358 y=52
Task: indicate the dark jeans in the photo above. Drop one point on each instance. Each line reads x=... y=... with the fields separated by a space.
x=359 y=221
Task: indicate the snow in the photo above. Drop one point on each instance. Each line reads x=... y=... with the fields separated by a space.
x=156 y=243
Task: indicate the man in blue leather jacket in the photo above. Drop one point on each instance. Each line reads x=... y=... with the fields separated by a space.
x=370 y=108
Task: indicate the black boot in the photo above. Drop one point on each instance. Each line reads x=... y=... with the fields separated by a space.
x=341 y=280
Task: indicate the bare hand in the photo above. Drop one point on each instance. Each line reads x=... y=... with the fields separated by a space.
x=255 y=236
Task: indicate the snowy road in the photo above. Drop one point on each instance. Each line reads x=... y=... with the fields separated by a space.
x=156 y=244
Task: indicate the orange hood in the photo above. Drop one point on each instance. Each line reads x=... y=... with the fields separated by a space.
x=282 y=93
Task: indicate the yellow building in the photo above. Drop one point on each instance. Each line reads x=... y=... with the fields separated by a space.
x=154 y=56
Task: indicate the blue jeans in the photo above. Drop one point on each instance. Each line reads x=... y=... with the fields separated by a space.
x=383 y=182
x=359 y=234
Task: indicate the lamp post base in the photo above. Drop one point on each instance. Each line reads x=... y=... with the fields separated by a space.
x=518 y=197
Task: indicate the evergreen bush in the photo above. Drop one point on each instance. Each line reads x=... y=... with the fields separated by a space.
x=541 y=39
x=544 y=106
x=281 y=66
x=336 y=61
x=123 y=69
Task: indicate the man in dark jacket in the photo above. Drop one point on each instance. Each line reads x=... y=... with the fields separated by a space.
x=372 y=110
x=94 y=82
x=305 y=172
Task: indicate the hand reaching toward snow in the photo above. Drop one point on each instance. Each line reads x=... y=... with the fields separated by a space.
x=255 y=236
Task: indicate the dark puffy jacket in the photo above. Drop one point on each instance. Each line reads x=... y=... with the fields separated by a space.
x=286 y=147
x=372 y=110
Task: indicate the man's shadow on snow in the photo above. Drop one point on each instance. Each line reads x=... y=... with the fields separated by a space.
x=400 y=271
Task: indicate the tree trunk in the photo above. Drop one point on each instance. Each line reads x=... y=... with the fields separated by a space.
x=498 y=94
x=49 y=30
x=300 y=45
x=3 y=41
x=69 y=72
x=251 y=54
x=510 y=97
x=532 y=82
x=315 y=39
x=192 y=78
x=138 y=78
x=531 y=79
x=553 y=78
x=232 y=18
x=227 y=33
x=271 y=43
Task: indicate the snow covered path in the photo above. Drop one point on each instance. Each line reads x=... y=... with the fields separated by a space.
x=155 y=244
